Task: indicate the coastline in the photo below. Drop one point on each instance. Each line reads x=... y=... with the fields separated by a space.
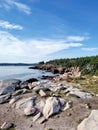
x=73 y=104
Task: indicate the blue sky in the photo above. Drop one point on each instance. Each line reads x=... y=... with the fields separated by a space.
x=36 y=30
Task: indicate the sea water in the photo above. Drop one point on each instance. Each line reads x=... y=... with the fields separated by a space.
x=21 y=72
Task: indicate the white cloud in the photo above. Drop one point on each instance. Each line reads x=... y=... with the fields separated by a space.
x=89 y=49
x=9 y=4
x=7 y=25
x=31 y=48
x=76 y=38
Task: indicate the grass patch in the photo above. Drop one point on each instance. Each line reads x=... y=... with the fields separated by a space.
x=89 y=83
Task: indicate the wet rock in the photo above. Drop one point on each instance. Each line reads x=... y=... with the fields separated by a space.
x=31 y=80
x=23 y=84
x=8 y=86
x=47 y=77
x=4 y=98
x=51 y=107
x=90 y=123
x=6 y=126
x=14 y=99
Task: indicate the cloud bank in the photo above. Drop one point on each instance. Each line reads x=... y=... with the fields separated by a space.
x=32 y=48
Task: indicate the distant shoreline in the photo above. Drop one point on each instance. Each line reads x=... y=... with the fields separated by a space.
x=17 y=64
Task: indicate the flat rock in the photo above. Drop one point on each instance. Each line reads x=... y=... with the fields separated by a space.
x=8 y=86
x=90 y=123
x=79 y=93
x=24 y=103
x=14 y=99
x=4 y=98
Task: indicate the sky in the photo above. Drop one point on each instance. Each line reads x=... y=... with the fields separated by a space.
x=40 y=30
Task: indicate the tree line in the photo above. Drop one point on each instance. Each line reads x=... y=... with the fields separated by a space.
x=87 y=65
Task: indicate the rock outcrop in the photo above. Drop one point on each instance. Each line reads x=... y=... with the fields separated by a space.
x=8 y=86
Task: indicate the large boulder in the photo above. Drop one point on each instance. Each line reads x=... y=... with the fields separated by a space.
x=51 y=107
x=8 y=86
x=90 y=123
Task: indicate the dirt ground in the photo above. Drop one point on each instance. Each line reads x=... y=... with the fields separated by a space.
x=67 y=120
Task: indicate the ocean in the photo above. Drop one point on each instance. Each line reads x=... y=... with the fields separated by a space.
x=21 y=72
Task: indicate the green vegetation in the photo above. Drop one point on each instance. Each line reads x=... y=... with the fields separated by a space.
x=87 y=65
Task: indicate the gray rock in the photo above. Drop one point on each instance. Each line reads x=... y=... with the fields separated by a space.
x=4 y=98
x=79 y=93
x=6 y=125
x=14 y=99
x=21 y=91
x=23 y=84
x=8 y=86
x=18 y=92
x=41 y=120
x=24 y=103
x=26 y=91
x=37 y=88
x=32 y=85
x=90 y=123
x=67 y=106
x=62 y=101
x=40 y=105
x=35 y=118
x=29 y=111
x=51 y=107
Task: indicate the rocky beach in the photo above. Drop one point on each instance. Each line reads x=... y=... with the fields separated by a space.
x=56 y=104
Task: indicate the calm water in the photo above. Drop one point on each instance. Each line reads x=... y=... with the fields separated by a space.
x=20 y=72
